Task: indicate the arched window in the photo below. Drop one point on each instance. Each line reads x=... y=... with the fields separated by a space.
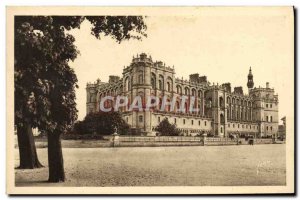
x=186 y=107
x=228 y=100
x=140 y=78
x=161 y=82
x=221 y=102
x=271 y=119
x=169 y=84
x=179 y=90
x=160 y=85
x=177 y=105
x=267 y=118
x=168 y=107
x=186 y=91
x=153 y=84
x=153 y=81
x=168 y=87
x=193 y=92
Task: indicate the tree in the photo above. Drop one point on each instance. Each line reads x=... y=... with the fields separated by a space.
x=165 y=128
x=44 y=81
x=102 y=123
x=79 y=128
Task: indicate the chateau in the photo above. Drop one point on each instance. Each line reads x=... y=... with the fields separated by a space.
x=221 y=111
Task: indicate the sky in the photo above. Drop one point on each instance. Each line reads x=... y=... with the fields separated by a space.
x=219 y=43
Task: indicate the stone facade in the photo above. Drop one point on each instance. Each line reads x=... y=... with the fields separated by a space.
x=221 y=111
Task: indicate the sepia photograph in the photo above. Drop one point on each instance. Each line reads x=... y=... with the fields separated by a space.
x=150 y=100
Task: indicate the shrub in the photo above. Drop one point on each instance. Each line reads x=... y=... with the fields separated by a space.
x=102 y=123
x=165 y=128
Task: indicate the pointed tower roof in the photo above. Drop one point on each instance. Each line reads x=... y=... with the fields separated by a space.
x=250 y=82
x=250 y=72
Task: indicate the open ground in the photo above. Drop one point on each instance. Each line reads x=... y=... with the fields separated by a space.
x=242 y=165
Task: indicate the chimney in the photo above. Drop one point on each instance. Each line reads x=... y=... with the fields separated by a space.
x=194 y=77
x=238 y=90
x=267 y=85
x=113 y=79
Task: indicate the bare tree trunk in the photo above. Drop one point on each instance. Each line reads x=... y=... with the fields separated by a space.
x=27 y=149
x=55 y=158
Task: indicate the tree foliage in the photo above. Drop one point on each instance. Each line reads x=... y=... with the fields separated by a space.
x=45 y=83
x=165 y=128
x=102 y=123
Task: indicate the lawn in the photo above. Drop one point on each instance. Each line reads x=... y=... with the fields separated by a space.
x=164 y=166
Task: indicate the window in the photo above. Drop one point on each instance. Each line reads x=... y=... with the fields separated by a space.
x=221 y=130
x=140 y=78
x=183 y=121
x=153 y=83
x=242 y=126
x=204 y=123
x=271 y=128
x=233 y=125
x=270 y=105
x=140 y=118
x=177 y=105
x=228 y=125
x=126 y=119
x=158 y=119
x=186 y=91
x=160 y=86
x=271 y=118
x=267 y=118
x=267 y=128
x=192 y=122
x=267 y=105
x=221 y=102
x=168 y=87
x=199 y=123
x=179 y=89
x=238 y=126
x=175 y=120
x=200 y=94
x=127 y=84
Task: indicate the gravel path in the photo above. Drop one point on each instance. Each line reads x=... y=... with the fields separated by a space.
x=164 y=166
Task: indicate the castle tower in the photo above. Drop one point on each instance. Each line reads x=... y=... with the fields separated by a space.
x=250 y=82
x=141 y=86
